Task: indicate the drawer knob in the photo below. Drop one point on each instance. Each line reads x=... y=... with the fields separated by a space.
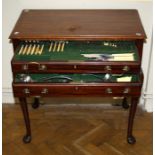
x=126 y=90
x=25 y=67
x=75 y=67
x=76 y=88
x=26 y=91
x=44 y=91
x=108 y=68
x=42 y=67
x=109 y=90
x=126 y=68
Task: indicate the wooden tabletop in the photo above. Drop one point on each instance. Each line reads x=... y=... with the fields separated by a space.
x=78 y=25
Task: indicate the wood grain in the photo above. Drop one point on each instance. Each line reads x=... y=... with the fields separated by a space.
x=86 y=89
x=79 y=25
x=75 y=130
x=69 y=67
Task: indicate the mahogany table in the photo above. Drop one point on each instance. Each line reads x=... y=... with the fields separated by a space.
x=50 y=48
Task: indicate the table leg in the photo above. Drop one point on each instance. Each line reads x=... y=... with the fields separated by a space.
x=36 y=103
x=23 y=103
x=130 y=138
x=125 y=104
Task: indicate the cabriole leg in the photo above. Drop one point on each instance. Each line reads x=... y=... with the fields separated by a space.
x=125 y=104
x=130 y=138
x=23 y=103
x=36 y=103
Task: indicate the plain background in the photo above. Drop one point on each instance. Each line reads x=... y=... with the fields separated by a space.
x=13 y=8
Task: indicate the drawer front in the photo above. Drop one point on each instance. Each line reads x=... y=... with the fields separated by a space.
x=108 y=89
x=87 y=67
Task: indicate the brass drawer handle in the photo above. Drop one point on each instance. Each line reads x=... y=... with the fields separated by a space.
x=42 y=67
x=109 y=90
x=126 y=68
x=108 y=68
x=44 y=91
x=25 y=67
x=126 y=90
x=26 y=91
x=75 y=67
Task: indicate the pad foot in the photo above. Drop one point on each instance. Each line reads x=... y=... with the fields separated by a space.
x=131 y=140
x=27 y=139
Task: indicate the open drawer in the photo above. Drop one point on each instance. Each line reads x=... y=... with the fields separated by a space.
x=76 y=57
x=77 y=84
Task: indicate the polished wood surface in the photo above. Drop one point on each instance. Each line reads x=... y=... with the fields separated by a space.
x=75 y=67
x=79 y=25
x=24 y=108
x=76 y=130
x=133 y=108
x=86 y=89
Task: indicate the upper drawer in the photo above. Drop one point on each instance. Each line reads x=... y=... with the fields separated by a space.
x=76 y=56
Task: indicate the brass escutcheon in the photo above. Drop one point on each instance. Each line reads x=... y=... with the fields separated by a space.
x=126 y=68
x=109 y=90
x=42 y=67
x=26 y=91
x=25 y=67
x=108 y=68
x=44 y=91
x=126 y=90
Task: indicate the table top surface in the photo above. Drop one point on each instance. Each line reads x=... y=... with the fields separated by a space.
x=79 y=25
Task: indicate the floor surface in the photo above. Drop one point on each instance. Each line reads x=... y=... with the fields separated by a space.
x=75 y=130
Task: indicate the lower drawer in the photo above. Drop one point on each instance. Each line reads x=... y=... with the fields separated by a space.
x=102 y=89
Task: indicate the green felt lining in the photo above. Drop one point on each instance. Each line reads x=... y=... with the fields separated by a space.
x=74 y=49
x=79 y=78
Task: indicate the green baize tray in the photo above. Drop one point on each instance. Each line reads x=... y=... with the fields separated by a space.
x=77 y=78
x=74 y=49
